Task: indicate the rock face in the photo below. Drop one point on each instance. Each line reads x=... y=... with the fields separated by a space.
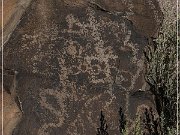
x=11 y=114
x=75 y=59
x=12 y=12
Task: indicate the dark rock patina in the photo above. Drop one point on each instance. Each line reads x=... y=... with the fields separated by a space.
x=75 y=59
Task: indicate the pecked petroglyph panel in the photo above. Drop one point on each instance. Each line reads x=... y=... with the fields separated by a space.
x=93 y=72
x=92 y=58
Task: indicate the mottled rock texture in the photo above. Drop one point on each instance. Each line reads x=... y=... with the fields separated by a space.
x=75 y=59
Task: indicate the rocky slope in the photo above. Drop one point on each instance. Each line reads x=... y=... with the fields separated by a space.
x=75 y=59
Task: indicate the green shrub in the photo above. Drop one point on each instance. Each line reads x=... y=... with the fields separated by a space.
x=161 y=72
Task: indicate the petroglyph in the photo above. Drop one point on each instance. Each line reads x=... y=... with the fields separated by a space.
x=93 y=63
x=102 y=54
x=74 y=62
x=59 y=113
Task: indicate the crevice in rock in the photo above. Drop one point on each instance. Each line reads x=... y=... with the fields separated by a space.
x=98 y=7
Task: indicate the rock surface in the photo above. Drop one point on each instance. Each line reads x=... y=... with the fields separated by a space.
x=12 y=12
x=77 y=58
x=11 y=114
